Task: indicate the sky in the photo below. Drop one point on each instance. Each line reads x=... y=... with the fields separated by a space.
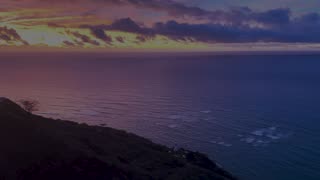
x=201 y=25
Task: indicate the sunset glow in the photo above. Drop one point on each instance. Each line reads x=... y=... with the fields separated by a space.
x=154 y=24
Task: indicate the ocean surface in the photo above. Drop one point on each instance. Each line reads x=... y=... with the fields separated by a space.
x=257 y=116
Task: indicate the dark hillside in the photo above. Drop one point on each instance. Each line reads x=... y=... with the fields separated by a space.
x=34 y=147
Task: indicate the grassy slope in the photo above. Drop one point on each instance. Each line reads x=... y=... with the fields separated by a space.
x=33 y=147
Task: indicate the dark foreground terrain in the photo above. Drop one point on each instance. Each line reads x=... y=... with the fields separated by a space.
x=33 y=147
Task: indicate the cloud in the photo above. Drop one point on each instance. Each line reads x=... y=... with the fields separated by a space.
x=178 y=10
x=140 y=39
x=245 y=15
x=127 y=25
x=171 y=7
x=123 y=24
x=276 y=25
x=311 y=18
x=79 y=10
x=304 y=29
x=274 y=16
x=181 y=22
x=100 y=34
x=83 y=39
x=120 y=39
x=10 y=36
x=68 y=44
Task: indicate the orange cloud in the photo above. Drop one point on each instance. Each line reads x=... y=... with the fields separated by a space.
x=153 y=24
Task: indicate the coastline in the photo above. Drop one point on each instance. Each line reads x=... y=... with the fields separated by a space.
x=43 y=148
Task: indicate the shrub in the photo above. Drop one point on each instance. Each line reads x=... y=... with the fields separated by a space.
x=29 y=105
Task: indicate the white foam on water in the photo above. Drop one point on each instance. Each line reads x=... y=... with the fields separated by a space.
x=173 y=126
x=274 y=137
x=221 y=143
x=272 y=128
x=249 y=140
x=49 y=114
x=89 y=112
x=264 y=136
x=225 y=144
x=258 y=132
x=206 y=111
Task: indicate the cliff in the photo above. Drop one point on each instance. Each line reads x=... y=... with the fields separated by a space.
x=38 y=148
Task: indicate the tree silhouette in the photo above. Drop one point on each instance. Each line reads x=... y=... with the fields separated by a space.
x=29 y=105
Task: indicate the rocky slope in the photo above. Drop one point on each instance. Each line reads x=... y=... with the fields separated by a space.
x=38 y=148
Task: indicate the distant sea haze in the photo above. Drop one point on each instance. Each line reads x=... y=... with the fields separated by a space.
x=258 y=116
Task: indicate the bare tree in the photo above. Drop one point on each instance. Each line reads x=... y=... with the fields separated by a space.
x=29 y=105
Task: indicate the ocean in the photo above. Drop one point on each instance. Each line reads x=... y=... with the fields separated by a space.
x=258 y=116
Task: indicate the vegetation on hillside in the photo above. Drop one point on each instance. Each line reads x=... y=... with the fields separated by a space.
x=38 y=148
